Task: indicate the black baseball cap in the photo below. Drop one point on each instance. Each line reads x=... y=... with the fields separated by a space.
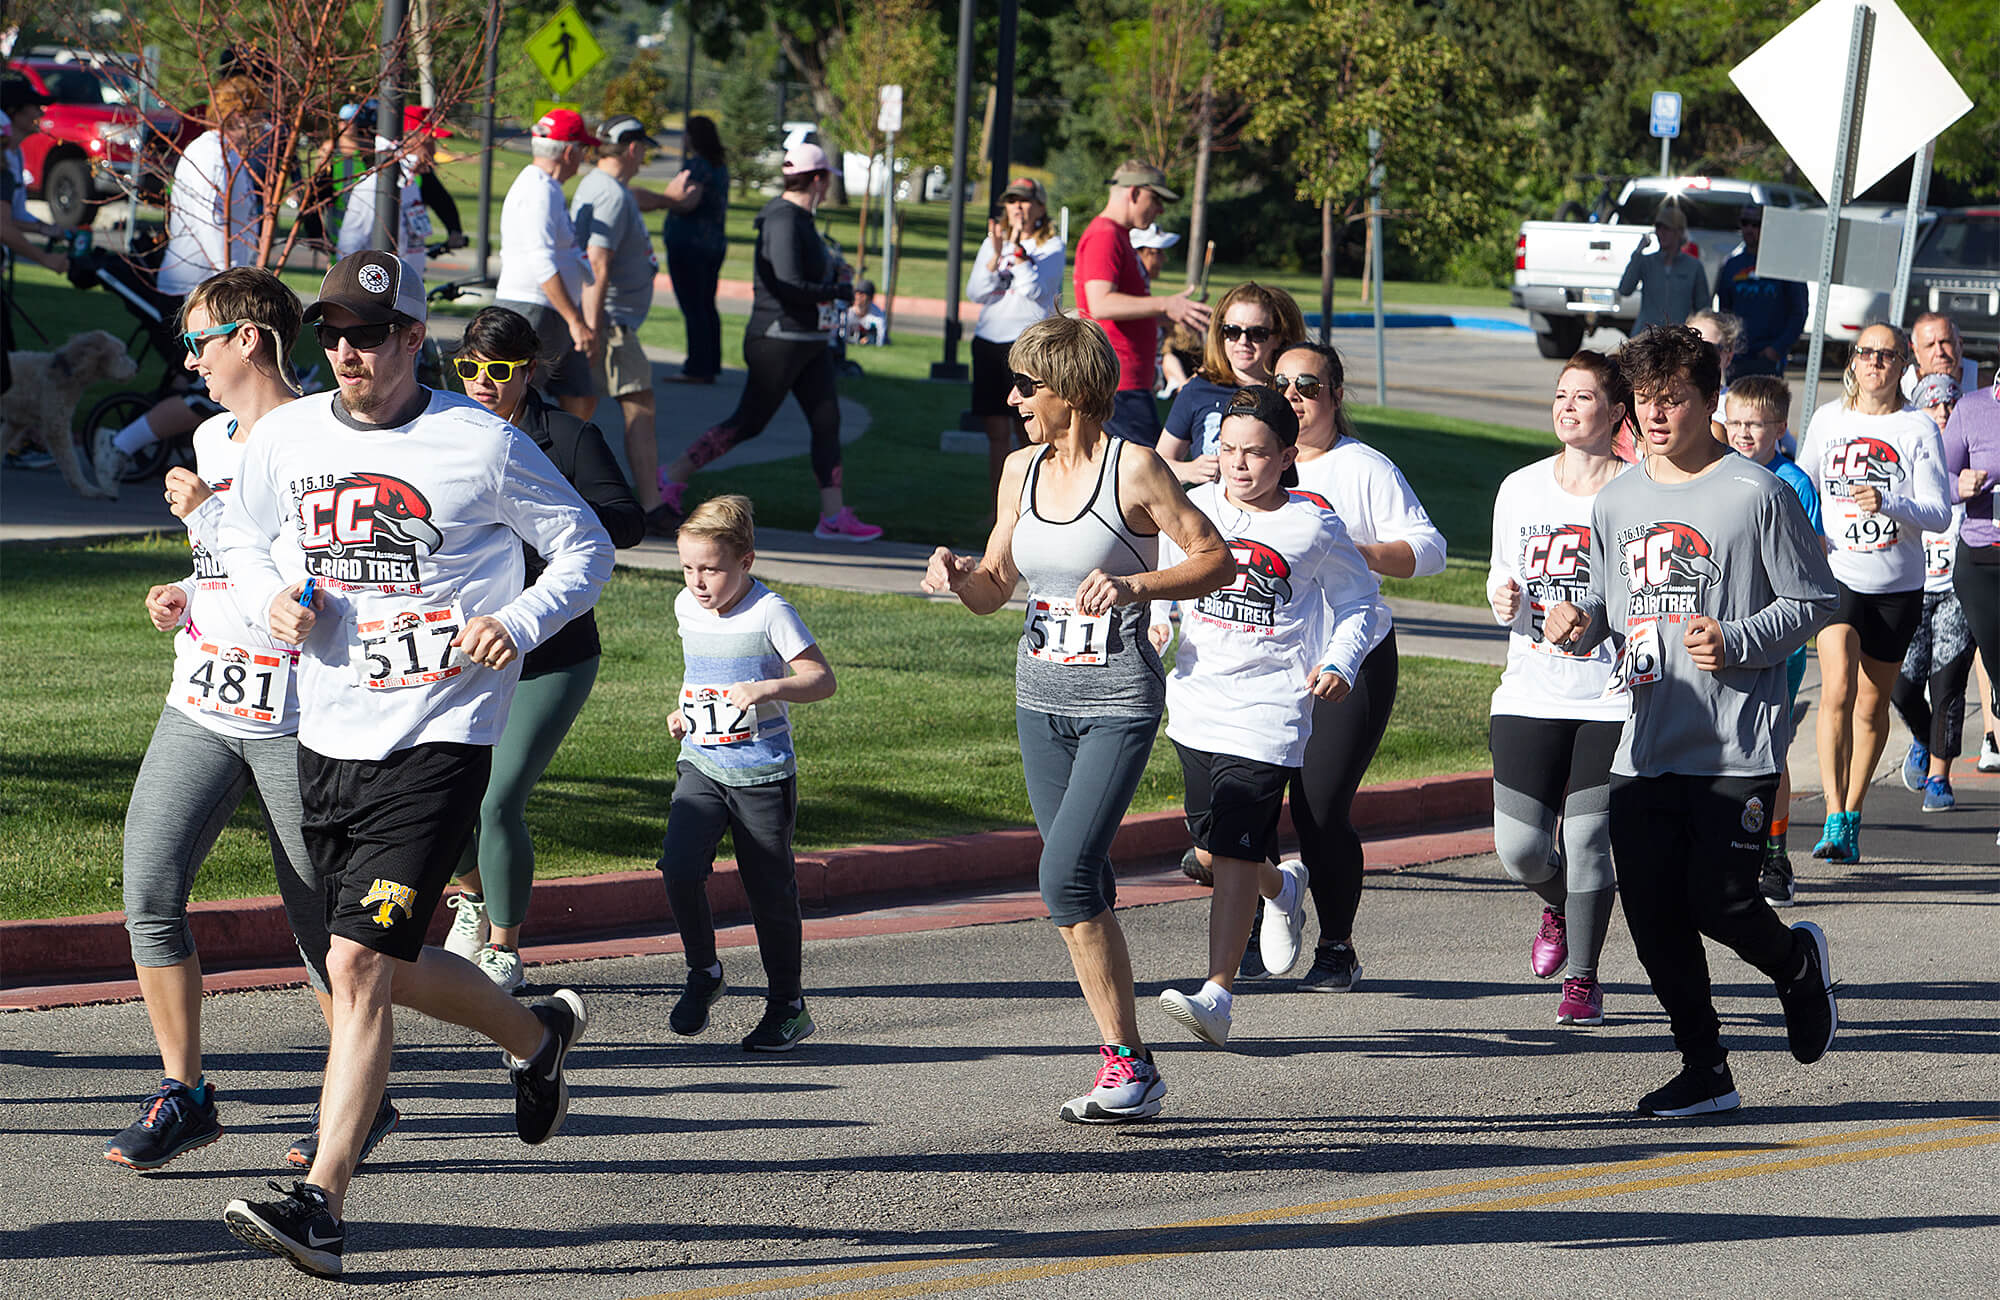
x=372 y=284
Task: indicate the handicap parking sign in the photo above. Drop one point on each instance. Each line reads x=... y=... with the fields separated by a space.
x=1666 y=114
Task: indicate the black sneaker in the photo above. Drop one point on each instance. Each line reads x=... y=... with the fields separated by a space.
x=1812 y=1016
x=297 y=1227
x=1252 y=966
x=690 y=1014
x=1191 y=868
x=1775 y=882
x=1335 y=969
x=541 y=1094
x=306 y=1148
x=663 y=521
x=1696 y=1090
x=170 y=1121
x=782 y=1028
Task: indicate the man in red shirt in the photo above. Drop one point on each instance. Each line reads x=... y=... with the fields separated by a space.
x=1111 y=288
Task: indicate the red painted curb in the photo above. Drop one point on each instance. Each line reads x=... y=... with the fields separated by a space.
x=251 y=931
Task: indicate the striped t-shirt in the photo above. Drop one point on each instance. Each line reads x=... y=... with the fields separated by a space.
x=754 y=642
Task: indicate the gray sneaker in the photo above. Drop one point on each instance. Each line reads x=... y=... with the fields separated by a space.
x=1335 y=969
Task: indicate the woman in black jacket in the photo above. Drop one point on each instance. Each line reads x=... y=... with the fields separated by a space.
x=497 y=361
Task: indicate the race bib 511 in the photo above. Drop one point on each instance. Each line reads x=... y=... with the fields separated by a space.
x=1060 y=634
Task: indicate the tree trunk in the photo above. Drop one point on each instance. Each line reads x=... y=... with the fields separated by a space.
x=1198 y=202
x=1326 y=228
x=810 y=63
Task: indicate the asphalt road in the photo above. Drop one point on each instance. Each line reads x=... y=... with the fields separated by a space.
x=1434 y=1134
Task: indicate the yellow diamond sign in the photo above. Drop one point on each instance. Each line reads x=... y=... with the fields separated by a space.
x=564 y=49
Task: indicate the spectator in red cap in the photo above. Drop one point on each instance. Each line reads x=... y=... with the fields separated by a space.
x=542 y=267
x=414 y=156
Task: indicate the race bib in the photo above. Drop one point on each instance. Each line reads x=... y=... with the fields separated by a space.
x=408 y=646
x=1638 y=662
x=1856 y=530
x=1059 y=634
x=713 y=720
x=1938 y=548
x=238 y=681
x=829 y=317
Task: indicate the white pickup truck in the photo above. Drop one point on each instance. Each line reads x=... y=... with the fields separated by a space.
x=1566 y=272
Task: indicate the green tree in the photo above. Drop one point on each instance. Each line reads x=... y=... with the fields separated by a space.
x=891 y=43
x=748 y=116
x=645 y=89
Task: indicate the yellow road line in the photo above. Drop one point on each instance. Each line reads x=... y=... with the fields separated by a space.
x=864 y=1272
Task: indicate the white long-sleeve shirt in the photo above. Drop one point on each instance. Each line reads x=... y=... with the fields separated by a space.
x=1019 y=292
x=1374 y=500
x=1302 y=599
x=213 y=215
x=538 y=240
x=1902 y=456
x=357 y=222
x=410 y=529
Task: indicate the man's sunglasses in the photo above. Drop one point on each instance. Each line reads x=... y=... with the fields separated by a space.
x=359 y=337
x=1307 y=386
x=1028 y=385
x=194 y=339
x=498 y=372
x=1257 y=334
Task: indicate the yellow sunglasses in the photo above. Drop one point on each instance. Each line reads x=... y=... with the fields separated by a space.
x=498 y=371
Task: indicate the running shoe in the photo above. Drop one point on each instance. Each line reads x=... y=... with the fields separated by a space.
x=1128 y=1088
x=783 y=1027
x=1191 y=868
x=470 y=930
x=1775 y=881
x=32 y=459
x=173 y=1120
x=298 y=1228
x=1551 y=946
x=541 y=1093
x=307 y=1148
x=1283 y=926
x=1938 y=796
x=1582 y=1002
x=1832 y=844
x=107 y=462
x=845 y=527
x=1696 y=1090
x=690 y=1014
x=1916 y=766
x=1335 y=969
x=1812 y=1014
x=1209 y=1022
x=1850 y=838
x=1989 y=754
x=502 y=966
x=663 y=521
x=1252 y=965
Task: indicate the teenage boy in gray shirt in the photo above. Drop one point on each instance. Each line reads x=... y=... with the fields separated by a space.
x=1706 y=575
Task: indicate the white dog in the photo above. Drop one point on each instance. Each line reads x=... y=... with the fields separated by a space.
x=42 y=400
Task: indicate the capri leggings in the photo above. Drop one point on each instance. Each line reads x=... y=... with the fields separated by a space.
x=1344 y=739
x=1543 y=767
x=188 y=787
x=779 y=366
x=1930 y=690
x=544 y=707
x=1081 y=775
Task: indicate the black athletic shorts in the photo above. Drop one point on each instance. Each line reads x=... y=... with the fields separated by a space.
x=991 y=377
x=1886 y=620
x=1233 y=803
x=386 y=837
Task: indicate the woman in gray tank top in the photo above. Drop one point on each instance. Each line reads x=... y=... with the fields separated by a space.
x=1079 y=517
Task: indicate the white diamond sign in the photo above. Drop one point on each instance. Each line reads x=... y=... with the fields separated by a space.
x=1794 y=83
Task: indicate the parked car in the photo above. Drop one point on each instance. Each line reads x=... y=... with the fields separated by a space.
x=92 y=136
x=1956 y=271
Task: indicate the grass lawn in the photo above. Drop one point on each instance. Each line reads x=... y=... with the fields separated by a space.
x=919 y=742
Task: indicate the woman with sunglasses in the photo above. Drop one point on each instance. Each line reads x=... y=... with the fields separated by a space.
x=1017 y=279
x=1395 y=535
x=1554 y=731
x=1251 y=325
x=1079 y=516
x=1880 y=474
x=497 y=361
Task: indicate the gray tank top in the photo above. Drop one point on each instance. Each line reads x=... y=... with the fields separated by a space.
x=1068 y=664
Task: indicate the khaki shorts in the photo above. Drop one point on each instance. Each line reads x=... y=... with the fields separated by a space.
x=624 y=370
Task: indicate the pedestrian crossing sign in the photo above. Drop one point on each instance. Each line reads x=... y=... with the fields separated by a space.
x=564 y=49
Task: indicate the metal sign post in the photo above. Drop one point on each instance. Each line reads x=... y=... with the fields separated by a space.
x=951 y=368
x=1853 y=102
x=1920 y=193
x=1375 y=177
x=889 y=120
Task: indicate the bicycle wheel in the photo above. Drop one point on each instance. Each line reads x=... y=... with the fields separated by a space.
x=114 y=413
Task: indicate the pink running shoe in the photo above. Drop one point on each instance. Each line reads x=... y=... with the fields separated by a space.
x=845 y=527
x=1582 y=1004
x=1551 y=946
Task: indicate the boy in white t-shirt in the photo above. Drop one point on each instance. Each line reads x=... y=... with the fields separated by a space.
x=746 y=655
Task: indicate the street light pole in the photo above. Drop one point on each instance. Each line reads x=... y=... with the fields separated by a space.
x=389 y=125
x=950 y=367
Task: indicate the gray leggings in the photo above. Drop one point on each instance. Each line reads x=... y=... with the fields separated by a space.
x=1081 y=774
x=1542 y=766
x=188 y=787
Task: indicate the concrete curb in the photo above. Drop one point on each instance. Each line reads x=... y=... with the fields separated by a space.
x=253 y=931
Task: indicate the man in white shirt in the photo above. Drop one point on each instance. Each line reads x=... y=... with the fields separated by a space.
x=542 y=267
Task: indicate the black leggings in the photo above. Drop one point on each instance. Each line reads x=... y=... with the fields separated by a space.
x=1975 y=577
x=803 y=368
x=1343 y=743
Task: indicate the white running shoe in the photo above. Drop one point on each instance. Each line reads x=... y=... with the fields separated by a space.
x=107 y=462
x=1128 y=1088
x=1209 y=1023
x=1284 y=925
x=502 y=966
x=470 y=929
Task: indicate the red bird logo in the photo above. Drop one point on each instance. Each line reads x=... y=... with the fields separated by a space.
x=400 y=510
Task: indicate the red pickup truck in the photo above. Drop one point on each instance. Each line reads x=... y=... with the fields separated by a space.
x=91 y=138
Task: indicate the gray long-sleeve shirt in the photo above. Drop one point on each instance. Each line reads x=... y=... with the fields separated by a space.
x=1732 y=544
